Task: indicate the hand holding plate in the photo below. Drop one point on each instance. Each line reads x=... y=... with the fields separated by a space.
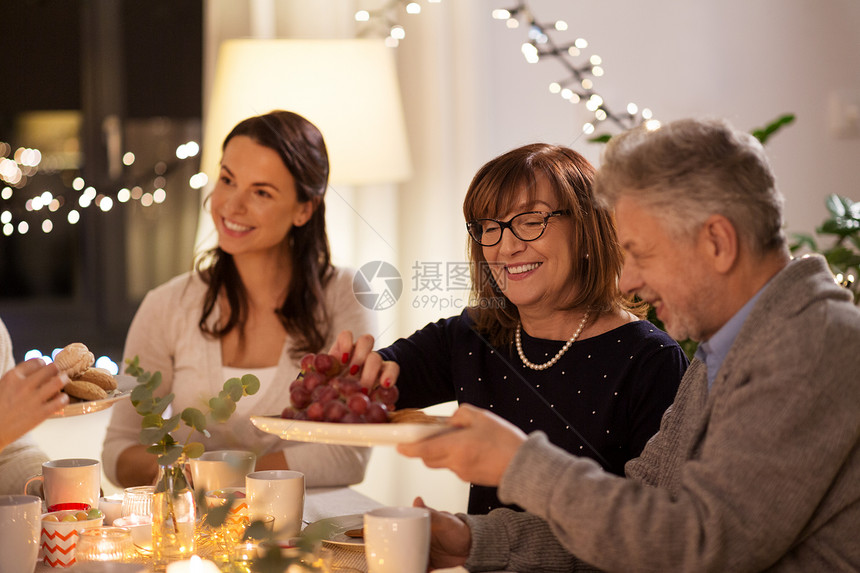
x=479 y=451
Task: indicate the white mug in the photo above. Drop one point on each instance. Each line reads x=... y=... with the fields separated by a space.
x=279 y=493
x=397 y=539
x=69 y=481
x=221 y=468
x=20 y=519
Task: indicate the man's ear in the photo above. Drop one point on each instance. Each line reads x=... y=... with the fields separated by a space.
x=720 y=242
x=304 y=212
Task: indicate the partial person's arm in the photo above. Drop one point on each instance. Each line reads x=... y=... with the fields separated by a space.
x=29 y=394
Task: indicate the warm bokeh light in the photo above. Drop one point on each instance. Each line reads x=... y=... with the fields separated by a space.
x=128 y=158
x=198 y=180
x=107 y=364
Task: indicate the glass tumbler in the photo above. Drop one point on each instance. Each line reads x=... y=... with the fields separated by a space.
x=137 y=501
x=105 y=544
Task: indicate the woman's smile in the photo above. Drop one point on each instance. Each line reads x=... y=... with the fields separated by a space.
x=521 y=271
x=235 y=229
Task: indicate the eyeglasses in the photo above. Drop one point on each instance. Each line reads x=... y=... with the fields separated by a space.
x=525 y=227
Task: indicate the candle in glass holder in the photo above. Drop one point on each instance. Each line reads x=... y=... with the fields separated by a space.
x=105 y=544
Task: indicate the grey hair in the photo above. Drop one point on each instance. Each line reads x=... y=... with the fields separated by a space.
x=690 y=169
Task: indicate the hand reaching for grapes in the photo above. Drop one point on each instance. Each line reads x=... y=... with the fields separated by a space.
x=360 y=359
x=327 y=390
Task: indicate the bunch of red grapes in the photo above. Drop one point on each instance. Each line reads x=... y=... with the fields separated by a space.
x=324 y=393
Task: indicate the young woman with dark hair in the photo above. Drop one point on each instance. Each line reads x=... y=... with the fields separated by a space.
x=265 y=296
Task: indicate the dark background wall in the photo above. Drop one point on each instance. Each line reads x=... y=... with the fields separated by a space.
x=131 y=62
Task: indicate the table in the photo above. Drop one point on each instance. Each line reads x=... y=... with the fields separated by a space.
x=320 y=503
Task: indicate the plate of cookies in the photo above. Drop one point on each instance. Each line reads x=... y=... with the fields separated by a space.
x=90 y=389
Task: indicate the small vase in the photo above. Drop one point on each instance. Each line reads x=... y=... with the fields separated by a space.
x=173 y=517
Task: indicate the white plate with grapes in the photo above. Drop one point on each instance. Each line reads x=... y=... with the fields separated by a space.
x=329 y=406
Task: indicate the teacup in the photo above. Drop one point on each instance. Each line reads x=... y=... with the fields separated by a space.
x=69 y=483
x=19 y=532
x=221 y=468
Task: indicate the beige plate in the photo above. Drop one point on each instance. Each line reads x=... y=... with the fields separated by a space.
x=125 y=384
x=347 y=434
x=333 y=530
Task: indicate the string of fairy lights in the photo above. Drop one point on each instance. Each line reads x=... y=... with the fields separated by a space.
x=582 y=70
x=26 y=208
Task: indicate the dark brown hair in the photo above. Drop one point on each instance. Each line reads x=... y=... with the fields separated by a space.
x=302 y=149
x=498 y=187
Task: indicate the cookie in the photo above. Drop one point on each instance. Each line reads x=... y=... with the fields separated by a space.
x=100 y=377
x=74 y=359
x=84 y=390
x=411 y=416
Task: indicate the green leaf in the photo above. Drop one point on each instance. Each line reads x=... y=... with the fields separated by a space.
x=194 y=450
x=141 y=394
x=251 y=384
x=222 y=409
x=152 y=421
x=154 y=381
x=216 y=516
x=194 y=418
x=133 y=368
x=170 y=456
x=766 y=132
x=603 y=138
x=257 y=530
x=801 y=240
x=162 y=403
x=172 y=422
x=152 y=435
x=835 y=205
x=842 y=258
x=840 y=226
x=233 y=389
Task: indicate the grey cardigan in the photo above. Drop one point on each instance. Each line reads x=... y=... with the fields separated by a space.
x=760 y=474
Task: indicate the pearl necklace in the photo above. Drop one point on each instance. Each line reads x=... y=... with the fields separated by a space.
x=554 y=359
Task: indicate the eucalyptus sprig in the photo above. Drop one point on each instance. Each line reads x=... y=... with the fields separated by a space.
x=156 y=431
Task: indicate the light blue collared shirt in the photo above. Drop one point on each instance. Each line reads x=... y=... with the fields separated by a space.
x=714 y=351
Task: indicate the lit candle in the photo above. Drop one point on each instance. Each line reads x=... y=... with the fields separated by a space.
x=193 y=565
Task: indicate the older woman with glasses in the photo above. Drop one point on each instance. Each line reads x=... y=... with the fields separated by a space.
x=550 y=343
